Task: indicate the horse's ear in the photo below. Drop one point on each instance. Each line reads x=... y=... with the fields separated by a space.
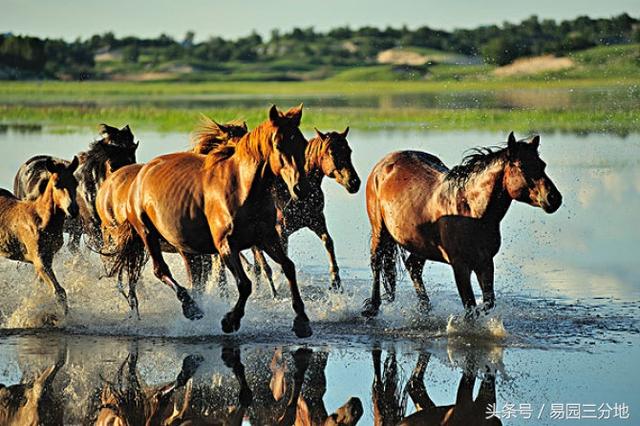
x=295 y=115
x=50 y=165
x=106 y=130
x=535 y=141
x=74 y=164
x=319 y=133
x=345 y=132
x=126 y=129
x=244 y=126
x=274 y=115
x=511 y=141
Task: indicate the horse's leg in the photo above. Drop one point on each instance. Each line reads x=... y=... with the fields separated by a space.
x=274 y=249
x=301 y=358
x=221 y=279
x=260 y=264
x=75 y=234
x=231 y=320
x=485 y=278
x=319 y=226
x=462 y=274
x=416 y=388
x=195 y=270
x=44 y=271
x=231 y=359
x=161 y=270
x=415 y=266
x=381 y=247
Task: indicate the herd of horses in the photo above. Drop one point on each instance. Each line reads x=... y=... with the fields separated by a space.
x=240 y=189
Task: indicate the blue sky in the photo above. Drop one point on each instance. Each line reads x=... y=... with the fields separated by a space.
x=71 y=18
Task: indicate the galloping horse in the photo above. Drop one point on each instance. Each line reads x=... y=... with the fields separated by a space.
x=328 y=154
x=416 y=203
x=111 y=206
x=220 y=203
x=31 y=231
x=115 y=148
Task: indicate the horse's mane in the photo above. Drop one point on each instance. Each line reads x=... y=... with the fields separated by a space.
x=316 y=149
x=477 y=160
x=210 y=135
x=254 y=146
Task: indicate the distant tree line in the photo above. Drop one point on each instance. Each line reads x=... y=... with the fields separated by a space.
x=32 y=57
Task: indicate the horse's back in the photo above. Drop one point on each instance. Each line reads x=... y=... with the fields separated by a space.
x=32 y=176
x=111 y=200
x=405 y=172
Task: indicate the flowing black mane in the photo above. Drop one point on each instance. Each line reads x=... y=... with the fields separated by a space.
x=477 y=160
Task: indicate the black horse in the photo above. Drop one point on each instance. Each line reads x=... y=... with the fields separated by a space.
x=114 y=150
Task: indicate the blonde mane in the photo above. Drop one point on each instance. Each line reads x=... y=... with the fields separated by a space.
x=210 y=135
x=316 y=149
x=255 y=146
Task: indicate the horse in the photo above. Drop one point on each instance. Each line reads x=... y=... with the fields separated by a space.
x=114 y=150
x=125 y=401
x=389 y=398
x=327 y=154
x=220 y=203
x=31 y=231
x=431 y=212
x=111 y=207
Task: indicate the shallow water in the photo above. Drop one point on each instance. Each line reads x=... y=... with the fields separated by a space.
x=565 y=330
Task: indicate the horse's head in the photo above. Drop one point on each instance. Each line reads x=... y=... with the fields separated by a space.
x=64 y=185
x=232 y=130
x=336 y=160
x=525 y=179
x=118 y=145
x=287 y=156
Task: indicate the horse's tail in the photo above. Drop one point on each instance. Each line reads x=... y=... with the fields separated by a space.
x=390 y=255
x=126 y=253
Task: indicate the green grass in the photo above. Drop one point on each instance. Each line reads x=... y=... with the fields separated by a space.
x=170 y=119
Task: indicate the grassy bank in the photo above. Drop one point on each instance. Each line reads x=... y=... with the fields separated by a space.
x=57 y=91
x=61 y=118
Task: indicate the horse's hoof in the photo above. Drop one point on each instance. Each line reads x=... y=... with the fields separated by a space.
x=229 y=323
x=301 y=327
x=471 y=314
x=370 y=309
x=191 y=311
x=424 y=305
x=336 y=285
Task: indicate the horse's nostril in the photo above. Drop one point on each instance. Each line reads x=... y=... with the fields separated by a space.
x=297 y=189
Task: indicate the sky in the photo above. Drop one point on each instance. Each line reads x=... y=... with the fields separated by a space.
x=70 y=19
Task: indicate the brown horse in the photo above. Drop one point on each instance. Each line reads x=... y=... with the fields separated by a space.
x=220 y=203
x=31 y=231
x=111 y=206
x=328 y=154
x=453 y=216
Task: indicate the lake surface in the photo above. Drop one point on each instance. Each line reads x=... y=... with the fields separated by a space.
x=566 y=329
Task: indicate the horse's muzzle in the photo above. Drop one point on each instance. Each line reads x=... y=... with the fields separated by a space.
x=353 y=185
x=553 y=202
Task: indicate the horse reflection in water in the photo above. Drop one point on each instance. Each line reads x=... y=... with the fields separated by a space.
x=390 y=399
x=126 y=402
x=33 y=402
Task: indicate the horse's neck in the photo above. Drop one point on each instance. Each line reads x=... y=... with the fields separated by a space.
x=251 y=176
x=484 y=194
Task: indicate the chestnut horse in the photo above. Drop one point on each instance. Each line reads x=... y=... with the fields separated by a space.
x=416 y=203
x=31 y=231
x=111 y=206
x=220 y=203
x=328 y=154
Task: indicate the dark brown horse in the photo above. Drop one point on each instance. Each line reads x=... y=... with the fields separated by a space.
x=111 y=206
x=416 y=203
x=31 y=231
x=220 y=203
x=327 y=154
